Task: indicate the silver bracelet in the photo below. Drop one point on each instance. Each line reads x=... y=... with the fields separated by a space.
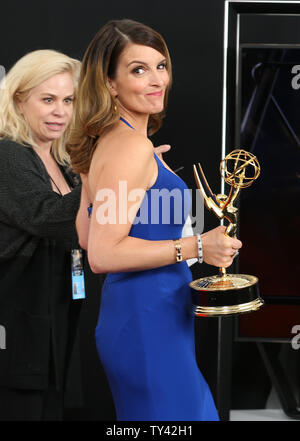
x=200 y=251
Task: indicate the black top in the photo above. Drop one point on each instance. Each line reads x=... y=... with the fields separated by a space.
x=37 y=232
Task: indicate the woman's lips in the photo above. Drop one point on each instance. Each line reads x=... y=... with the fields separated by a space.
x=155 y=93
x=55 y=126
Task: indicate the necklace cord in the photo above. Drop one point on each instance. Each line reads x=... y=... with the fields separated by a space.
x=52 y=180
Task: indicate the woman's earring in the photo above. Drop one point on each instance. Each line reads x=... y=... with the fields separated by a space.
x=115 y=107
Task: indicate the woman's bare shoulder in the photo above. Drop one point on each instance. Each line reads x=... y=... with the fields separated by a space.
x=123 y=153
x=131 y=142
x=123 y=146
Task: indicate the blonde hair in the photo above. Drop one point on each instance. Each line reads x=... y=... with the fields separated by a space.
x=27 y=73
x=97 y=110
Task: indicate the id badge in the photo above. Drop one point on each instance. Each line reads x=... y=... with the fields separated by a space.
x=78 y=288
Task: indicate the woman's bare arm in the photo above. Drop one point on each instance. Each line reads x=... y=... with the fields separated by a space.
x=110 y=248
x=82 y=218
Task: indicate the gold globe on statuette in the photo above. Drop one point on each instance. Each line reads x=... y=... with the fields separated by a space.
x=227 y=294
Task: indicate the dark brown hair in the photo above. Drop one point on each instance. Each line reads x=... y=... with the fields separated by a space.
x=96 y=109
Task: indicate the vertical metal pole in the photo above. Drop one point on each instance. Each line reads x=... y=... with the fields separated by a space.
x=224 y=367
x=223 y=399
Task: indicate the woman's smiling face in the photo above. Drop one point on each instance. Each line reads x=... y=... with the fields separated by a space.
x=141 y=80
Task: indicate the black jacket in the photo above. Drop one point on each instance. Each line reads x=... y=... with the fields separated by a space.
x=37 y=232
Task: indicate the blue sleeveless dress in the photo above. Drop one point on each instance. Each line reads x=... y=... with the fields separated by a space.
x=145 y=331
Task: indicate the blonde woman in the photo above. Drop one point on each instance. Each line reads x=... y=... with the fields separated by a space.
x=39 y=199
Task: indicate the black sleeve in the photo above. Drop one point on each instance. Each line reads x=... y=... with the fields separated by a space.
x=27 y=201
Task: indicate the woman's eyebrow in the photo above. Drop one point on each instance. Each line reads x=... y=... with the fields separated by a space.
x=137 y=62
x=143 y=62
x=53 y=95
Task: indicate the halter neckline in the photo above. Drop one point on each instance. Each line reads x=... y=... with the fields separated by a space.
x=126 y=122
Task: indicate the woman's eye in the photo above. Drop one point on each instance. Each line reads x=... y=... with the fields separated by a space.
x=48 y=100
x=69 y=100
x=162 y=66
x=138 y=70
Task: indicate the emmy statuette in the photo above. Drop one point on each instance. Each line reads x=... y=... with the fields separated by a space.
x=227 y=294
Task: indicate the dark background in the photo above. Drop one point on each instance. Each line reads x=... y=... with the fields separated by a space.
x=193 y=30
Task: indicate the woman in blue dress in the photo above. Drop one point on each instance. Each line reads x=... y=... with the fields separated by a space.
x=145 y=333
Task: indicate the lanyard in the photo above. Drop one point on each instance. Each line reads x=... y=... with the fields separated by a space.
x=52 y=180
x=77 y=272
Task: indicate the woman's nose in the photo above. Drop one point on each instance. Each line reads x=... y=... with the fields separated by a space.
x=59 y=108
x=157 y=78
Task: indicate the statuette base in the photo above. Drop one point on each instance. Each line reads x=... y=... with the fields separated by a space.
x=225 y=295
